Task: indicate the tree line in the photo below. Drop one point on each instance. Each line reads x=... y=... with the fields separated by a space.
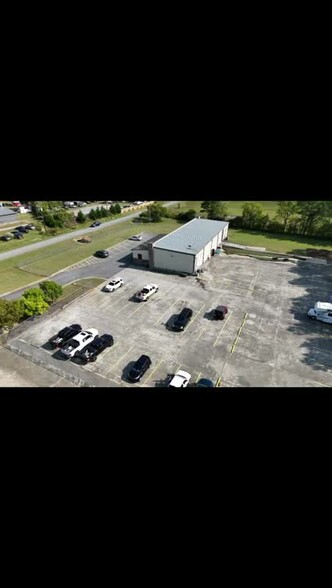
x=311 y=218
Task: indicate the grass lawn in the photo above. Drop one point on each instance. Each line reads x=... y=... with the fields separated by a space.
x=233 y=207
x=78 y=288
x=277 y=243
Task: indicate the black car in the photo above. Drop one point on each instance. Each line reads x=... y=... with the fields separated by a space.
x=65 y=335
x=183 y=319
x=139 y=368
x=205 y=383
x=95 y=224
x=102 y=253
x=17 y=234
x=91 y=351
x=22 y=229
x=220 y=312
x=30 y=227
x=5 y=238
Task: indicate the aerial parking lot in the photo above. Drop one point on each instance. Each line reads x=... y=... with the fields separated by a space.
x=266 y=339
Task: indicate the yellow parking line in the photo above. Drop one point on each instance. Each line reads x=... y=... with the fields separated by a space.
x=197 y=378
x=159 y=319
x=153 y=371
x=218 y=383
x=222 y=328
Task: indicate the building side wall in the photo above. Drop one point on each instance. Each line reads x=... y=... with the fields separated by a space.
x=144 y=255
x=173 y=260
x=199 y=260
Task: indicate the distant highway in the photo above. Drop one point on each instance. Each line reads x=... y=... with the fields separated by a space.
x=68 y=236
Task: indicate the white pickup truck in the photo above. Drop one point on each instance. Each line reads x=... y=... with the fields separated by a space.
x=322 y=311
x=147 y=291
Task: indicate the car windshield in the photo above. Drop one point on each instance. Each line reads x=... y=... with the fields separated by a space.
x=145 y=291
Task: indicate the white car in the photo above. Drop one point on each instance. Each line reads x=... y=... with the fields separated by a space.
x=180 y=380
x=78 y=342
x=113 y=285
x=135 y=238
x=147 y=291
x=322 y=311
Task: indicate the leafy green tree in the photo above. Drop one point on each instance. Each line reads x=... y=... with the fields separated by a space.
x=92 y=214
x=311 y=212
x=155 y=212
x=215 y=209
x=33 y=302
x=253 y=215
x=51 y=290
x=286 y=211
x=103 y=212
x=80 y=217
x=112 y=209
x=10 y=312
x=117 y=208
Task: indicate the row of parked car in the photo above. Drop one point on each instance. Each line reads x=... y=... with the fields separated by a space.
x=85 y=346
x=18 y=232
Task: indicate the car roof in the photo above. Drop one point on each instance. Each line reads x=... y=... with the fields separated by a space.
x=142 y=359
x=206 y=382
x=183 y=374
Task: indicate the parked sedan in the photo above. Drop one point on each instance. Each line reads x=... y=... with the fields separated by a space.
x=180 y=380
x=91 y=351
x=5 y=238
x=135 y=238
x=102 y=253
x=139 y=368
x=113 y=285
x=65 y=335
x=78 y=342
x=205 y=383
x=30 y=227
x=96 y=224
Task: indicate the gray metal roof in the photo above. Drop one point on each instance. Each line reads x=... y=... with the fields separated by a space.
x=196 y=234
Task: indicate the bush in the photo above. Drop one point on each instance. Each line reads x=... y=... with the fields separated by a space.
x=236 y=223
x=51 y=291
x=10 y=312
x=92 y=214
x=33 y=302
x=275 y=227
x=186 y=216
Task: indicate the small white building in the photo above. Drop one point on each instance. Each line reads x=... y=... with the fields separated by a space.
x=187 y=248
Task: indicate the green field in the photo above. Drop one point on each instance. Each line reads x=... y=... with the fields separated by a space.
x=233 y=207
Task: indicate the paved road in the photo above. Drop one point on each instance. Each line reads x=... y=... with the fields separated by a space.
x=68 y=236
x=120 y=256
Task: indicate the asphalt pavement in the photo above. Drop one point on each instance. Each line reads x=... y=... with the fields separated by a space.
x=68 y=236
